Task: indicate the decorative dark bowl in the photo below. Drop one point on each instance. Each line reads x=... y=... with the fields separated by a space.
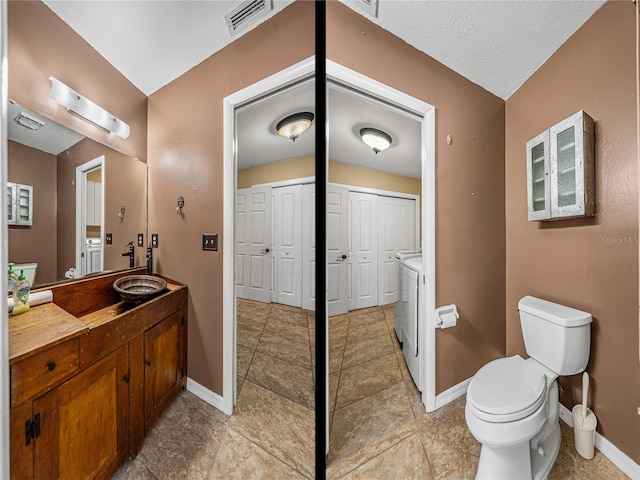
x=136 y=289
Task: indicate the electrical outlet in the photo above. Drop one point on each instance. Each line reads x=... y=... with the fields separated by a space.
x=210 y=241
x=141 y=239
x=108 y=238
x=154 y=240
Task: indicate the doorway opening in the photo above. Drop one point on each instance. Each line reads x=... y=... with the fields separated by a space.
x=89 y=218
x=246 y=141
x=390 y=103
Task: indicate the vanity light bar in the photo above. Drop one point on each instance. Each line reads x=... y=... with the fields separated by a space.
x=85 y=108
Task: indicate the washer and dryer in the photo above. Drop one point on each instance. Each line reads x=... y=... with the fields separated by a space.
x=400 y=258
x=412 y=318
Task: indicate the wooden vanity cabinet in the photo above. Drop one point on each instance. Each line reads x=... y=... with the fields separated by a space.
x=80 y=429
x=163 y=366
x=80 y=406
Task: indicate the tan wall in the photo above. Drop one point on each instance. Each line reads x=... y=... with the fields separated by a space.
x=41 y=45
x=186 y=158
x=590 y=264
x=277 y=171
x=470 y=224
x=33 y=167
x=366 y=177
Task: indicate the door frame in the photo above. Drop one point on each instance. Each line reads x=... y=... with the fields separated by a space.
x=81 y=203
x=295 y=73
x=345 y=76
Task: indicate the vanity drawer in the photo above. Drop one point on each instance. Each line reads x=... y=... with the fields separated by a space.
x=37 y=374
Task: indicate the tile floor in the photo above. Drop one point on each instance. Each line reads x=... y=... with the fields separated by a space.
x=269 y=435
x=379 y=428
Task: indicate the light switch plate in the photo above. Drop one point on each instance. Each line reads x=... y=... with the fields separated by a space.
x=154 y=240
x=210 y=241
x=141 y=239
x=108 y=238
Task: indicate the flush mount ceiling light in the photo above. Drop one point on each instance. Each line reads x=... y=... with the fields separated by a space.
x=376 y=139
x=294 y=125
x=85 y=108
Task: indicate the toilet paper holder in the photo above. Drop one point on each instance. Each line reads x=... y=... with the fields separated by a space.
x=447 y=316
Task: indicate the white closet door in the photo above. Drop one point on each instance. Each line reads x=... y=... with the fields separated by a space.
x=253 y=243
x=337 y=249
x=288 y=244
x=309 y=246
x=397 y=232
x=363 y=255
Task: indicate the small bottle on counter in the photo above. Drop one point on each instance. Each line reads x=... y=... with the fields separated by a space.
x=21 y=295
x=13 y=279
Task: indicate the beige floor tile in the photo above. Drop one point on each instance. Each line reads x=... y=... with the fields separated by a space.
x=415 y=397
x=134 y=470
x=571 y=466
x=452 y=451
x=335 y=359
x=244 y=359
x=280 y=347
x=359 y=331
x=254 y=322
x=295 y=333
x=239 y=458
x=168 y=453
x=292 y=315
x=368 y=378
x=366 y=315
x=253 y=307
x=284 y=378
x=334 y=378
x=405 y=460
x=365 y=349
x=276 y=424
x=362 y=422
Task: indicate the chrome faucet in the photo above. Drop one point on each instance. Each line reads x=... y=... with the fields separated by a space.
x=129 y=254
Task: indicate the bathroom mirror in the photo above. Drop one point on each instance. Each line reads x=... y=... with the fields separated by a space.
x=89 y=201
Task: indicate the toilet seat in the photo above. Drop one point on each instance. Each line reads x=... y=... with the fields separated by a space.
x=506 y=390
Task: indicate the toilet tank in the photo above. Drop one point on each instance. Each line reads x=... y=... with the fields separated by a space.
x=558 y=337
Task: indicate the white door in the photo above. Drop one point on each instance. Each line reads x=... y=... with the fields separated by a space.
x=287 y=246
x=363 y=252
x=253 y=243
x=337 y=249
x=309 y=246
x=397 y=228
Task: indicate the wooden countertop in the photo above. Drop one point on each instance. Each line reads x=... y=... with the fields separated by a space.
x=42 y=326
x=45 y=326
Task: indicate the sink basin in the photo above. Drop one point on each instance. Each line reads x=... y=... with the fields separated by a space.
x=136 y=289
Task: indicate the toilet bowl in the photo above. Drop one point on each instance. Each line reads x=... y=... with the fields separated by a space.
x=512 y=403
x=30 y=270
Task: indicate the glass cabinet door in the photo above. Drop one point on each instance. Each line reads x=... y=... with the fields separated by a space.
x=538 y=187
x=11 y=203
x=572 y=167
x=24 y=204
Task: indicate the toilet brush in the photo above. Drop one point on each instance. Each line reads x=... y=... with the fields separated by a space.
x=585 y=391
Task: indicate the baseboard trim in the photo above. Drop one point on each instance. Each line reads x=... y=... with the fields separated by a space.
x=452 y=393
x=608 y=449
x=205 y=394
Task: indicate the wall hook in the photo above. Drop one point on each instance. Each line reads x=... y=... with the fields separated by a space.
x=122 y=210
x=180 y=205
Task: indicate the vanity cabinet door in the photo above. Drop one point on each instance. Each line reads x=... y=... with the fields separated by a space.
x=84 y=423
x=163 y=366
x=21 y=450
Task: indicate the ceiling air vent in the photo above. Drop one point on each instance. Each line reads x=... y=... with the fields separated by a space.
x=247 y=13
x=368 y=6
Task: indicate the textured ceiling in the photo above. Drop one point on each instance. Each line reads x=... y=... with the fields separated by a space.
x=496 y=44
x=153 y=42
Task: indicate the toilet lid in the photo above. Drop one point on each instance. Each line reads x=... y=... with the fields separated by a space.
x=506 y=390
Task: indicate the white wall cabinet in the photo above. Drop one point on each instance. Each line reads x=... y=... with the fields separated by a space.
x=561 y=170
x=19 y=204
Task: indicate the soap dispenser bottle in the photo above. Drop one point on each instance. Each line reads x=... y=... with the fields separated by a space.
x=21 y=295
x=13 y=279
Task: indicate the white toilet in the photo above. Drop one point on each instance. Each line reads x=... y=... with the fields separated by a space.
x=30 y=270
x=512 y=403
